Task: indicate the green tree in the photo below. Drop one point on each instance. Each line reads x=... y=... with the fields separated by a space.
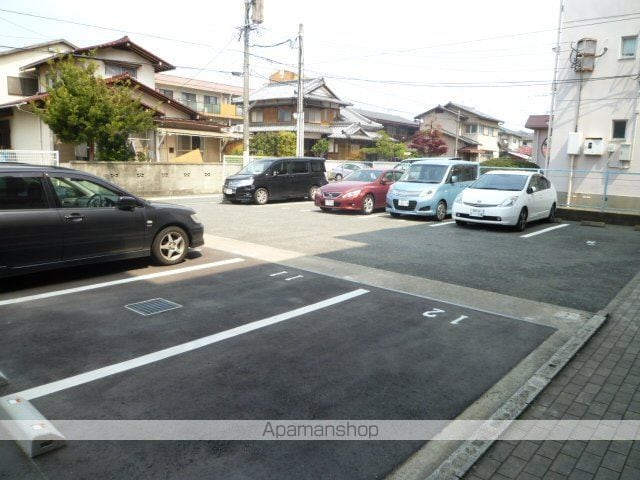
x=386 y=148
x=273 y=144
x=82 y=108
x=321 y=147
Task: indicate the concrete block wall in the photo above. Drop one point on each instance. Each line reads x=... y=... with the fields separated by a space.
x=160 y=179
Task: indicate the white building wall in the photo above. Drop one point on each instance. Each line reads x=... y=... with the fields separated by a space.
x=602 y=100
x=10 y=67
x=28 y=132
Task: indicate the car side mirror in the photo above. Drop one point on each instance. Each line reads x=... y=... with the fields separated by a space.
x=127 y=203
x=383 y=181
x=531 y=190
x=454 y=179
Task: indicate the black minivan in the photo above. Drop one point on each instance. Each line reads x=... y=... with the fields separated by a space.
x=276 y=178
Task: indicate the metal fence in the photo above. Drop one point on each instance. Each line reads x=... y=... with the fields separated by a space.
x=607 y=191
x=35 y=157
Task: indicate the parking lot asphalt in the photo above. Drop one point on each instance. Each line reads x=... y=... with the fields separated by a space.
x=574 y=266
x=374 y=354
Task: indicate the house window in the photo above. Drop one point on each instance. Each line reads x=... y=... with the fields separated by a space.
x=471 y=128
x=22 y=86
x=189 y=99
x=312 y=115
x=619 y=129
x=257 y=116
x=113 y=69
x=211 y=104
x=284 y=115
x=628 y=47
x=485 y=131
x=187 y=143
x=166 y=93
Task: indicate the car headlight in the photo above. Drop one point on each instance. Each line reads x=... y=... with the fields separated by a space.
x=509 y=202
x=244 y=183
x=351 y=194
x=458 y=198
x=428 y=193
x=195 y=218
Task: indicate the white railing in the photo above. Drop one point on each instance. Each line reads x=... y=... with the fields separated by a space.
x=35 y=157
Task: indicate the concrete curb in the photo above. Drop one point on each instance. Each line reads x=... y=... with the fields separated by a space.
x=23 y=423
x=463 y=458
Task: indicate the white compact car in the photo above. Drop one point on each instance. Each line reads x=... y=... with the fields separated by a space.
x=506 y=197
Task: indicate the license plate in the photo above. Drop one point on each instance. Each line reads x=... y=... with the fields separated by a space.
x=476 y=212
x=329 y=203
x=228 y=191
x=403 y=203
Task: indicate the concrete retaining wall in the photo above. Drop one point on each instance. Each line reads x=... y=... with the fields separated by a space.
x=160 y=179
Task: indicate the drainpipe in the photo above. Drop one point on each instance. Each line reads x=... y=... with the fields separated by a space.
x=575 y=129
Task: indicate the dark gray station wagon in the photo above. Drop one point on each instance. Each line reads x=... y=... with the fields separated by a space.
x=52 y=217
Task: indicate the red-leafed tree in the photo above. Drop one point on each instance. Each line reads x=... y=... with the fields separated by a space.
x=525 y=150
x=428 y=143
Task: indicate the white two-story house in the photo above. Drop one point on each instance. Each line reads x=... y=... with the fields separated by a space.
x=476 y=132
x=25 y=76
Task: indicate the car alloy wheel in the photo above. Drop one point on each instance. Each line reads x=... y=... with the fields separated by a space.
x=261 y=196
x=552 y=214
x=367 y=204
x=312 y=191
x=170 y=246
x=441 y=211
x=338 y=177
x=522 y=220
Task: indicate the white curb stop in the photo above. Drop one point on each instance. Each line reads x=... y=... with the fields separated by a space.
x=33 y=433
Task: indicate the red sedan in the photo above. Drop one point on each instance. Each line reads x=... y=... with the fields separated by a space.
x=363 y=190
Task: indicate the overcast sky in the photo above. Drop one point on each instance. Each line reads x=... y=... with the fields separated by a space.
x=402 y=57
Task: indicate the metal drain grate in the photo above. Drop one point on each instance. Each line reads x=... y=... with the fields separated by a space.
x=153 y=306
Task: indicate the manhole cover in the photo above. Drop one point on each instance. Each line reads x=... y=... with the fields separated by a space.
x=153 y=306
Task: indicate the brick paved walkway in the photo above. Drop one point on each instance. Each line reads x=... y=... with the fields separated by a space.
x=601 y=382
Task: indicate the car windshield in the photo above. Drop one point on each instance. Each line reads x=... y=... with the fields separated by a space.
x=500 y=181
x=421 y=173
x=254 y=168
x=364 y=176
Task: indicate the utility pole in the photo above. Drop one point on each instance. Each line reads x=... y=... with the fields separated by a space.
x=300 y=116
x=249 y=21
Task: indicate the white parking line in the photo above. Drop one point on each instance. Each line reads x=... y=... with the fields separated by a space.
x=103 y=372
x=539 y=232
x=373 y=215
x=140 y=278
x=279 y=273
x=442 y=224
x=293 y=278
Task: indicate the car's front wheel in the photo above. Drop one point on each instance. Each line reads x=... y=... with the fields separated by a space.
x=261 y=196
x=522 y=220
x=441 y=211
x=170 y=246
x=312 y=191
x=368 y=204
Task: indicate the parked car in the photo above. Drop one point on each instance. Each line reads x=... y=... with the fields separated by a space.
x=53 y=217
x=507 y=197
x=338 y=172
x=429 y=186
x=404 y=164
x=276 y=178
x=363 y=190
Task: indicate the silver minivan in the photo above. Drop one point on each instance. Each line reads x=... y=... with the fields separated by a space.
x=429 y=186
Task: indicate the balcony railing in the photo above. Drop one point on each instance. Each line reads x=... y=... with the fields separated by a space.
x=225 y=109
